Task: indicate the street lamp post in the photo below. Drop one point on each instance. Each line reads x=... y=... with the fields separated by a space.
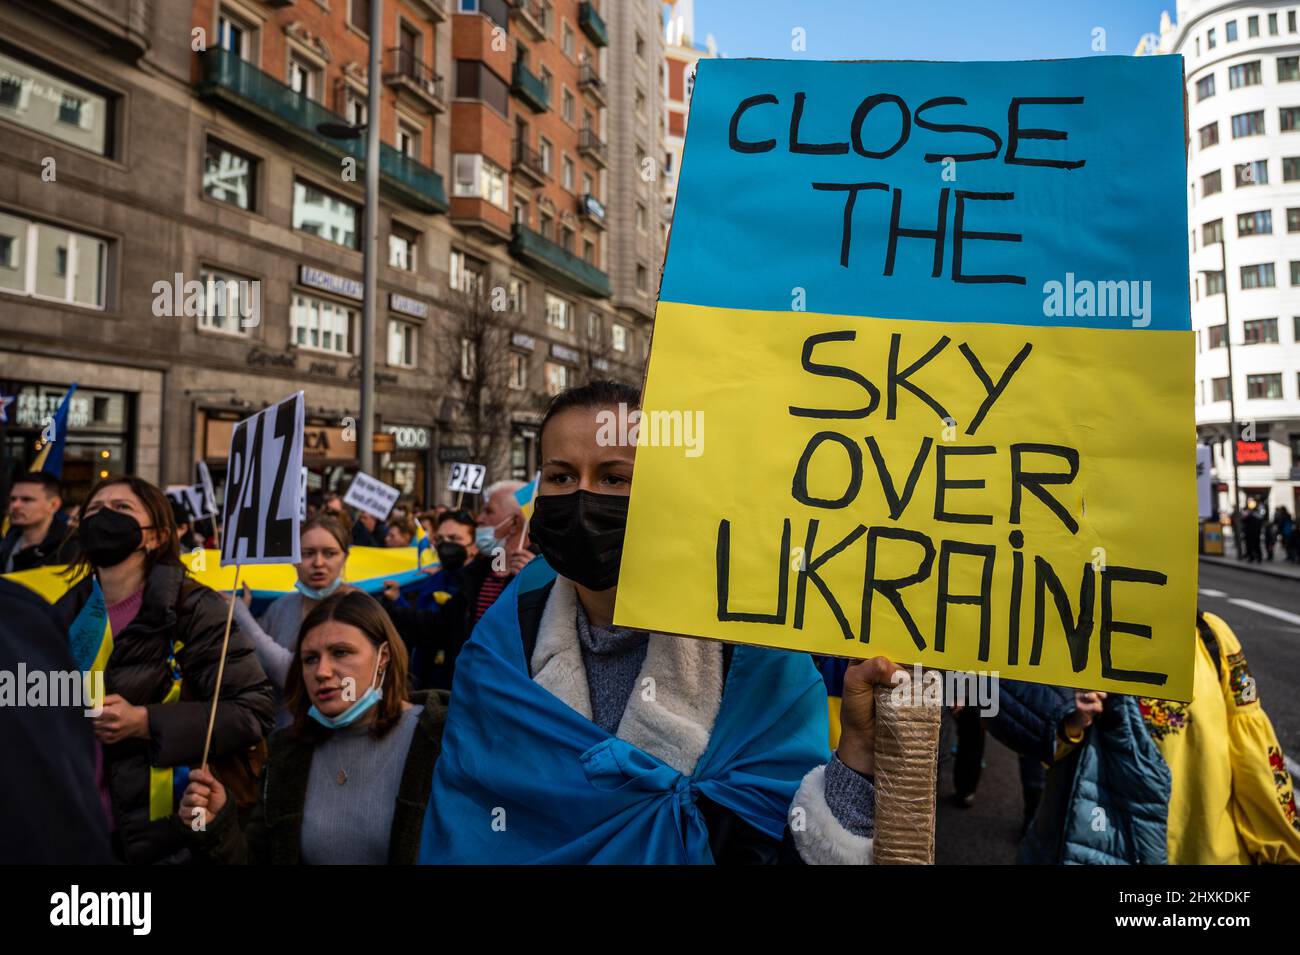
x=370 y=234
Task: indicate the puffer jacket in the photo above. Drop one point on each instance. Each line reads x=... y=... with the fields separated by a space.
x=174 y=609
x=1106 y=801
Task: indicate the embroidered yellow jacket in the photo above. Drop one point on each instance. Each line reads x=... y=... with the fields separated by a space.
x=1232 y=800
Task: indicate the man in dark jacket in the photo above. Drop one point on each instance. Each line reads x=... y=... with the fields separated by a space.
x=36 y=536
x=50 y=813
x=180 y=620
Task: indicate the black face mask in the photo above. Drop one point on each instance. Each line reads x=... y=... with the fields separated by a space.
x=581 y=535
x=451 y=554
x=109 y=537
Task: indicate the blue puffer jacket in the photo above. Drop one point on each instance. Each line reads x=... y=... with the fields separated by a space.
x=1107 y=801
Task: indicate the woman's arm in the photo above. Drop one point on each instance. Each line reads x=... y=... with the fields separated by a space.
x=275 y=659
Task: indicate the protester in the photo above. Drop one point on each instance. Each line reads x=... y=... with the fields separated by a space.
x=401 y=531
x=556 y=736
x=368 y=531
x=36 y=536
x=349 y=780
x=72 y=515
x=432 y=616
x=1147 y=781
x=186 y=539
x=49 y=810
x=323 y=547
x=500 y=540
x=166 y=632
x=1252 y=526
x=1284 y=531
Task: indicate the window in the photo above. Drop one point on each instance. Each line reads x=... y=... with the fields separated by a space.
x=321 y=214
x=1295 y=273
x=401 y=248
x=1219 y=387
x=557 y=378
x=1213 y=283
x=1212 y=232
x=1251 y=173
x=1211 y=183
x=1255 y=223
x=234 y=35
x=1257 y=276
x=465 y=274
x=1205 y=87
x=547 y=80
x=1230 y=32
x=1252 y=26
x=566 y=39
x=557 y=312
x=468 y=359
x=567 y=105
x=566 y=238
x=228 y=175
x=566 y=175
x=1261 y=331
x=642 y=278
x=1289 y=118
x=480 y=178
x=517 y=295
x=618 y=337
x=355 y=110
x=321 y=325
x=1290 y=168
x=54 y=107
x=594 y=326
x=1295 y=334
x=475 y=81
x=1248 y=124
x=589 y=251
x=1218 y=336
x=544 y=221
x=408 y=140
x=545 y=151
x=588 y=185
x=518 y=371
x=303 y=77
x=640 y=217
x=402 y=340
x=226 y=300
x=1244 y=74
x=639 y=103
x=1290 y=21
x=1209 y=134
x=360 y=15
x=1288 y=69
x=1210 y=40
x=1293 y=220
x=1272 y=24
x=46 y=261
x=496 y=10
x=1264 y=386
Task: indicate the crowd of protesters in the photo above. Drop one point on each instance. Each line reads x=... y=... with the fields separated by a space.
x=1260 y=536
x=493 y=712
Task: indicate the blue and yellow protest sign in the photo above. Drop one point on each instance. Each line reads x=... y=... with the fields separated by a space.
x=932 y=323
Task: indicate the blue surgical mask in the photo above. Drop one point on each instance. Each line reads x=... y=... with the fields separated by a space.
x=322 y=593
x=485 y=539
x=373 y=695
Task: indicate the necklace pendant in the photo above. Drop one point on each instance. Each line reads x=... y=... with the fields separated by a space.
x=341 y=778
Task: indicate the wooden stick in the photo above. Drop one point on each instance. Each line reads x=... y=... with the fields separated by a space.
x=907 y=754
x=221 y=667
x=460 y=495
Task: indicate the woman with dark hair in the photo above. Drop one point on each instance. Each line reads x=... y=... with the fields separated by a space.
x=586 y=742
x=323 y=548
x=157 y=636
x=349 y=780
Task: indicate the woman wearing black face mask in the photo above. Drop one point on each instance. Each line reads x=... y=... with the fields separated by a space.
x=430 y=617
x=159 y=669
x=602 y=744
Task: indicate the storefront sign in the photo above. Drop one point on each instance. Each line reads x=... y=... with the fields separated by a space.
x=408 y=306
x=564 y=353
x=453 y=453
x=329 y=282
x=260 y=356
x=410 y=438
x=1252 y=452
x=520 y=340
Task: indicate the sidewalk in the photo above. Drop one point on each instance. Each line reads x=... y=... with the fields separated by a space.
x=1277 y=567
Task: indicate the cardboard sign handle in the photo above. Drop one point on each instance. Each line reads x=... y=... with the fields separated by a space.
x=221 y=668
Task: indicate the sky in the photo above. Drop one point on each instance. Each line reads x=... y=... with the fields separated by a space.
x=927 y=29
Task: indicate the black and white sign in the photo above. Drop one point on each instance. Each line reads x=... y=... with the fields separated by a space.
x=260 y=524
x=467 y=478
x=209 y=495
x=302 y=496
x=193 y=499
x=329 y=282
x=374 y=497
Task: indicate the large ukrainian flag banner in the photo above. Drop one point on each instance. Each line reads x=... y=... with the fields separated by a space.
x=922 y=374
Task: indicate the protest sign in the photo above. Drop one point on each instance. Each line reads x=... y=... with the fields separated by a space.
x=193 y=499
x=936 y=318
x=374 y=497
x=302 y=495
x=205 y=481
x=466 y=478
x=260 y=520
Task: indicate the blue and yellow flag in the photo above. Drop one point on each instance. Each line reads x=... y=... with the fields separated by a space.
x=422 y=543
x=54 y=438
x=526 y=494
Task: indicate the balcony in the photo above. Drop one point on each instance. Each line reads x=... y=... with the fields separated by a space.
x=591 y=24
x=406 y=72
x=528 y=164
x=590 y=145
x=592 y=210
x=530 y=89
x=557 y=264
x=530 y=16
x=242 y=87
x=591 y=83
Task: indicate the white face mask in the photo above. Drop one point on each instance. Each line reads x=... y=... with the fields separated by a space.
x=374 y=693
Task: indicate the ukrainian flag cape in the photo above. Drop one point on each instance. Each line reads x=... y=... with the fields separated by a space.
x=523 y=778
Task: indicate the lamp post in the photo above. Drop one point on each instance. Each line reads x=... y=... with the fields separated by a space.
x=1232 y=389
x=370 y=236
